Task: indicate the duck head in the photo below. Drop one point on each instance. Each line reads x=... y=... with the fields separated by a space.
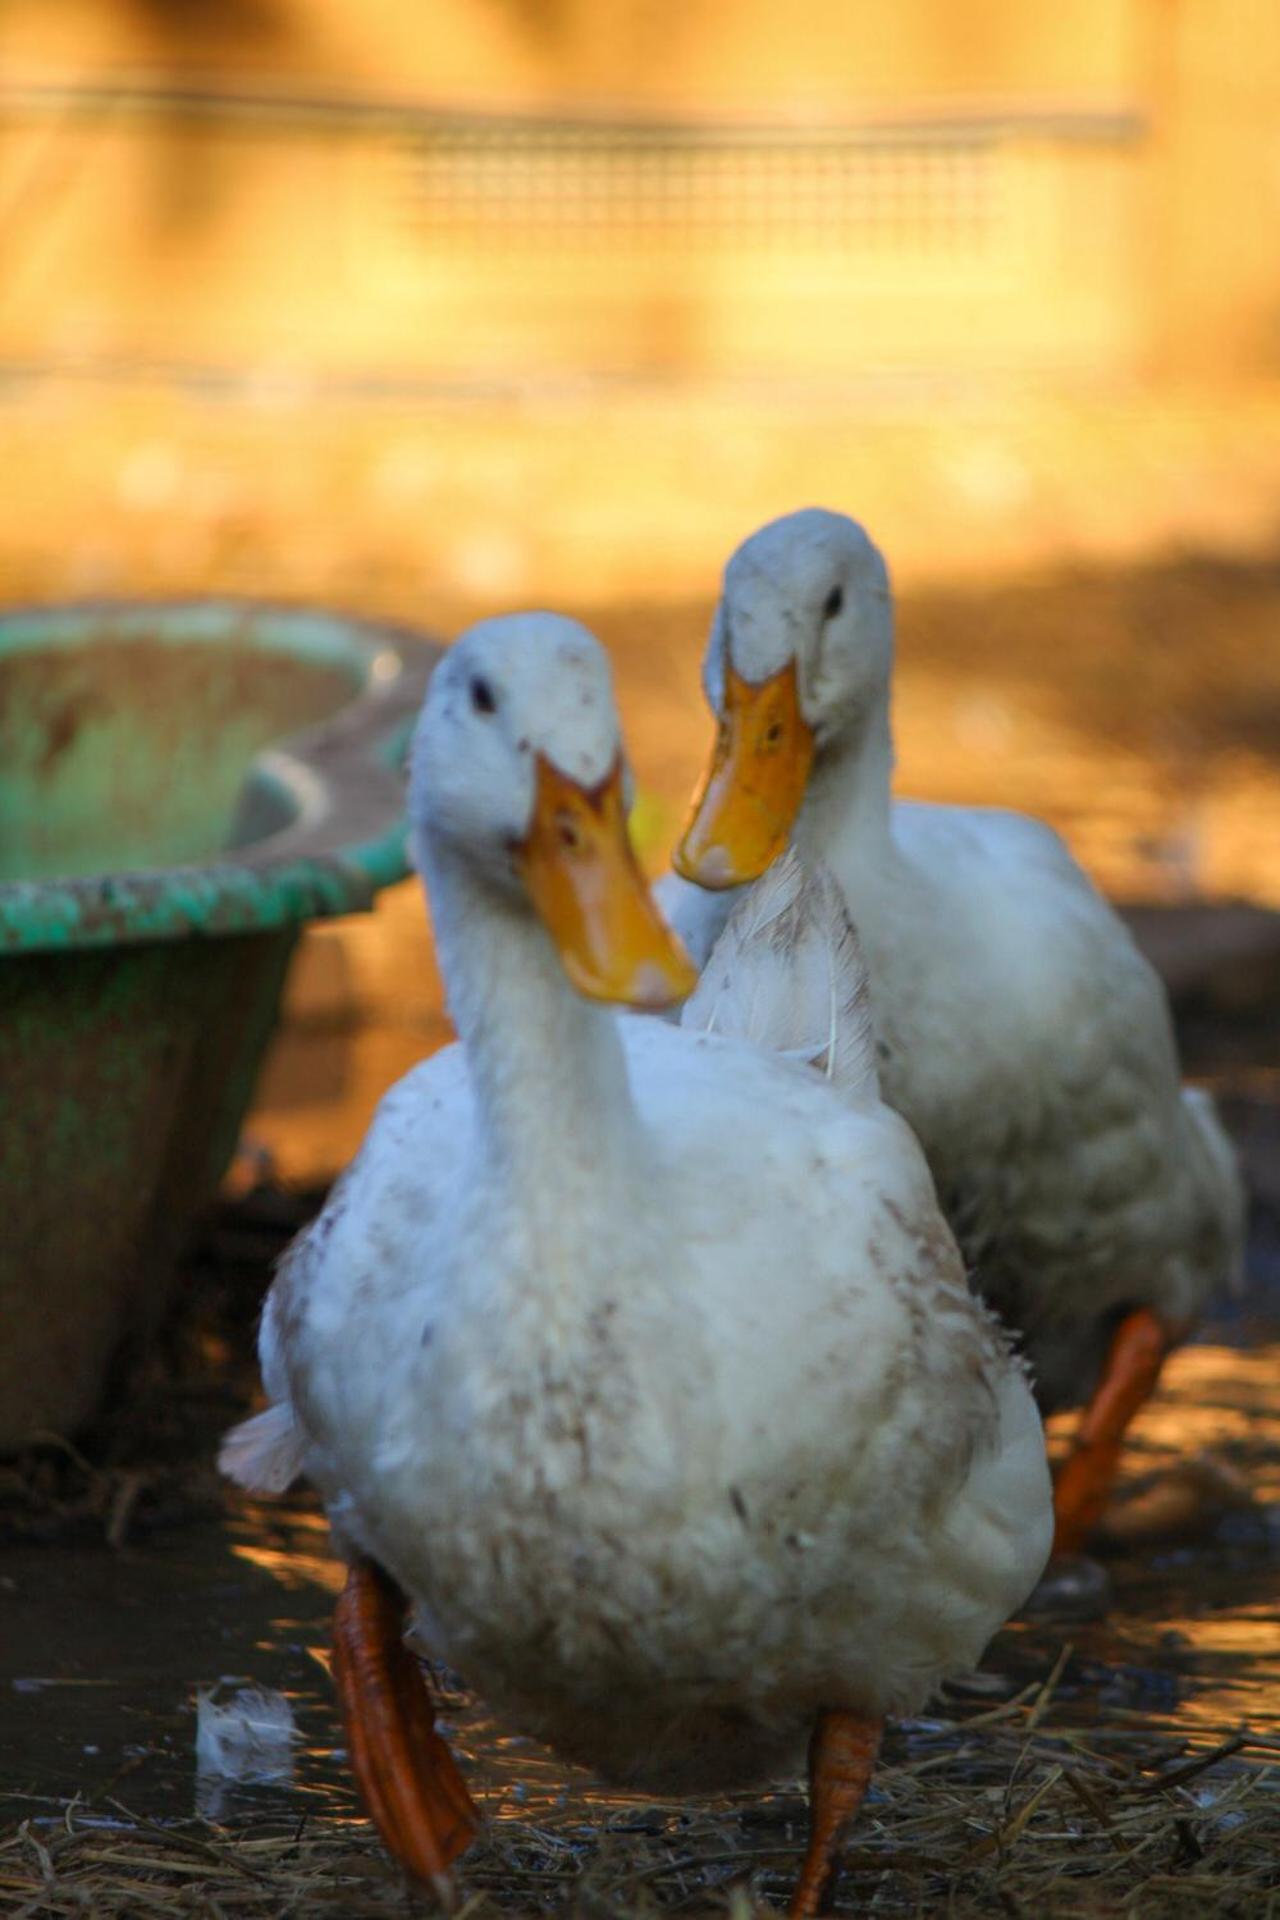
x=800 y=654
x=518 y=770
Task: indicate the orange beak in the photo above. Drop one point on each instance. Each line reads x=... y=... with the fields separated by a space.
x=582 y=875
x=744 y=810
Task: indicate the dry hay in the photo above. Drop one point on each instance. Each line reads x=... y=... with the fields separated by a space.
x=998 y=1813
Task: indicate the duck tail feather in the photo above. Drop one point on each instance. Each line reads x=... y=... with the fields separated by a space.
x=266 y=1453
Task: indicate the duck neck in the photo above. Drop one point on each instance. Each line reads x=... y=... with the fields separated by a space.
x=547 y=1068
x=846 y=810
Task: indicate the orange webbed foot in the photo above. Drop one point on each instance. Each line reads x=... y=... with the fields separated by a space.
x=408 y=1778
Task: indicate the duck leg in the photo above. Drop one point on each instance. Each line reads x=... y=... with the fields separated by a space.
x=842 y=1758
x=408 y=1778
x=1129 y=1376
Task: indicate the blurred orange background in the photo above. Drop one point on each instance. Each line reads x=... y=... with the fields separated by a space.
x=428 y=311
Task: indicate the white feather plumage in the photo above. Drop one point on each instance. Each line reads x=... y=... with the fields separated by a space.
x=641 y=1356
x=1018 y=1029
x=787 y=973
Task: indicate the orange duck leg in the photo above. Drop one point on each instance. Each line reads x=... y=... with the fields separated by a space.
x=842 y=1758
x=1129 y=1377
x=408 y=1778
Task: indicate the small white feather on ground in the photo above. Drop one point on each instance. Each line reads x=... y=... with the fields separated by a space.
x=248 y=1738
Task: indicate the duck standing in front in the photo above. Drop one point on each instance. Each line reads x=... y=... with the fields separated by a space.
x=634 y=1361
x=1020 y=1031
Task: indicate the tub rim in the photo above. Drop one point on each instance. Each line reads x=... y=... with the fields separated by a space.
x=338 y=781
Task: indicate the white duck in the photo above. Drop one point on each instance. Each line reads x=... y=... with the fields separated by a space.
x=638 y=1358
x=1019 y=1030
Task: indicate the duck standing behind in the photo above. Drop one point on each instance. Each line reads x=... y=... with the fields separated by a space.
x=1019 y=1030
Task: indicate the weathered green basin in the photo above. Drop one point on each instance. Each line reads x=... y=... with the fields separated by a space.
x=182 y=786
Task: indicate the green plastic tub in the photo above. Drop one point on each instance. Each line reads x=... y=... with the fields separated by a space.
x=182 y=787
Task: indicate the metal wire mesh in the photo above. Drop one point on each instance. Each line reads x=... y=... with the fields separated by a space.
x=586 y=186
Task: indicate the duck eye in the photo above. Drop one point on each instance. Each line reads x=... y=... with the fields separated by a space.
x=483 y=698
x=833 y=603
x=567 y=830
